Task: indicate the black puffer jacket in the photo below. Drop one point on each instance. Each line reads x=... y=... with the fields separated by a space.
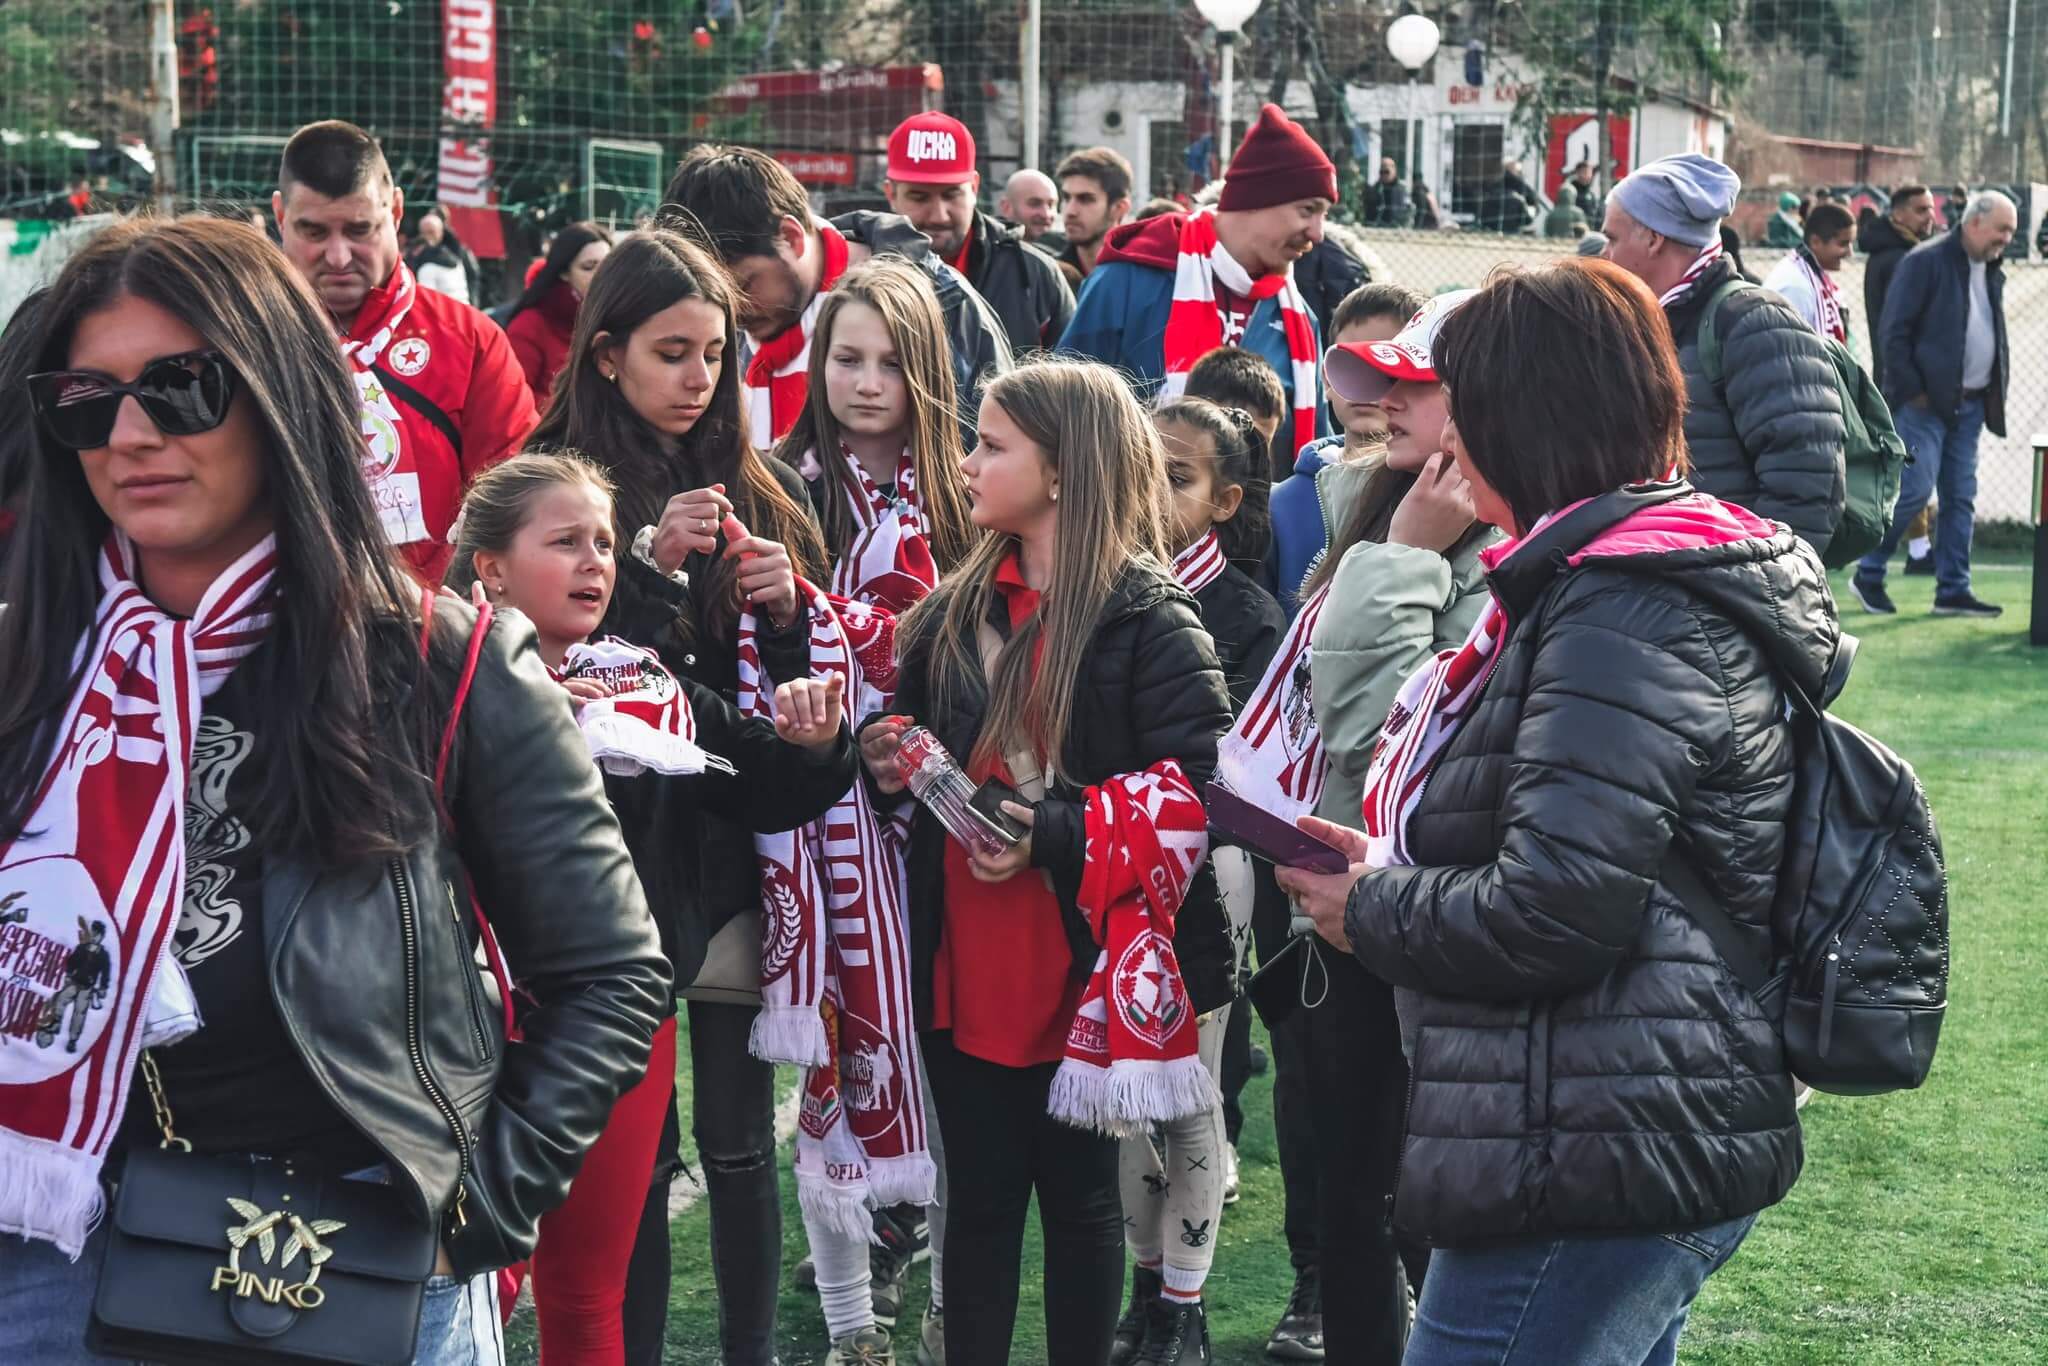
x=1582 y=1061
x=1770 y=435
x=1021 y=283
x=1152 y=690
x=709 y=862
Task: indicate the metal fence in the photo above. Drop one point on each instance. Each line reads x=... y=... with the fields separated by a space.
x=585 y=106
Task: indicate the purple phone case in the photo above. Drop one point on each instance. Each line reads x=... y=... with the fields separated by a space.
x=1267 y=836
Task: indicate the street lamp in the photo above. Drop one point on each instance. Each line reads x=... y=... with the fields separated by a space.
x=1226 y=17
x=1413 y=39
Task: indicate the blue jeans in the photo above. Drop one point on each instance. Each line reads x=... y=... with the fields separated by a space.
x=1586 y=1301
x=46 y=1298
x=1945 y=461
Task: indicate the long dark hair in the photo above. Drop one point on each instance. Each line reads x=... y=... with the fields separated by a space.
x=569 y=244
x=1372 y=516
x=649 y=271
x=1240 y=454
x=340 y=782
x=900 y=293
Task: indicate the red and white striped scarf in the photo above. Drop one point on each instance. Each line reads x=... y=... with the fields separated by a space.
x=777 y=378
x=835 y=955
x=90 y=895
x=1700 y=265
x=1274 y=756
x=1201 y=564
x=1194 y=322
x=1826 y=295
x=646 y=725
x=1130 y=1059
x=889 y=564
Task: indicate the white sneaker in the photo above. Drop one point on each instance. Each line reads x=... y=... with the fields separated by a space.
x=931 y=1340
x=1230 y=1174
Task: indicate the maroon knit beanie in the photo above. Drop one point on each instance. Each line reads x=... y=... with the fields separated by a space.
x=1277 y=163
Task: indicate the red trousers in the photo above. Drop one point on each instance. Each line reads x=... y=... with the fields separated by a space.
x=579 y=1266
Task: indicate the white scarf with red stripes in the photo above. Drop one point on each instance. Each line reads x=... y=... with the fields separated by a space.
x=889 y=564
x=1201 y=564
x=646 y=725
x=835 y=954
x=1194 y=321
x=777 y=379
x=1827 y=297
x=1274 y=756
x=1700 y=265
x=90 y=897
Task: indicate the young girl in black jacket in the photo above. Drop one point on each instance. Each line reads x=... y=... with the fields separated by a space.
x=536 y=535
x=1061 y=646
x=1173 y=1200
x=651 y=393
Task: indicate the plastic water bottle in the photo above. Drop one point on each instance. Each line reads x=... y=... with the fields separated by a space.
x=937 y=781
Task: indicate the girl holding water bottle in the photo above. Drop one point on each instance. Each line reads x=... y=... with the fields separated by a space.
x=1059 y=656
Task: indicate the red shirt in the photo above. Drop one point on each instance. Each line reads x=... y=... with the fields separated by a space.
x=540 y=338
x=1012 y=994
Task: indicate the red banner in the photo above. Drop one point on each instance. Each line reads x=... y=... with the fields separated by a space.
x=1571 y=142
x=469 y=106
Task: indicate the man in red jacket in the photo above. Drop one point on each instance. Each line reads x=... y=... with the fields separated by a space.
x=443 y=397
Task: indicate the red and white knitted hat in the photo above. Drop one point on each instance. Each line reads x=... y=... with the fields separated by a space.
x=1363 y=372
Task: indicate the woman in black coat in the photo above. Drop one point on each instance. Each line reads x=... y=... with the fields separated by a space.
x=1598 y=1107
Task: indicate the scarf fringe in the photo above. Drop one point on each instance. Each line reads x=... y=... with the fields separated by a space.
x=49 y=1191
x=792 y=1034
x=912 y=1179
x=845 y=1209
x=1128 y=1097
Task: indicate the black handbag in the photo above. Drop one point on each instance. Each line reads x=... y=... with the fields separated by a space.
x=238 y=1260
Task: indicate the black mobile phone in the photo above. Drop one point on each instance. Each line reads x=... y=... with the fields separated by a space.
x=987 y=803
x=1275 y=990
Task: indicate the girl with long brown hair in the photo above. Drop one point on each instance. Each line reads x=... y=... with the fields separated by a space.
x=650 y=392
x=1061 y=657
x=878 y=444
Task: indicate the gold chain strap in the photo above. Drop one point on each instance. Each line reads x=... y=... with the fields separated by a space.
x=154 y=1080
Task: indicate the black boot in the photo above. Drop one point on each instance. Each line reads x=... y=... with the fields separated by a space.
x=1176 y=1334
x=1130 y=1329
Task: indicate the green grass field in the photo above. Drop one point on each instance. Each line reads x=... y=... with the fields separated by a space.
x=1919 y=1231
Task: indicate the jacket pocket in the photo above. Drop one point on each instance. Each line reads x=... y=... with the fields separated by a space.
x=481 y=1025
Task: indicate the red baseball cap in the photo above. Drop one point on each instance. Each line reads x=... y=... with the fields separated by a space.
x=1364 y=372
x=931 y=149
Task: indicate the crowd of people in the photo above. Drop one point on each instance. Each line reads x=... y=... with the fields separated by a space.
x=851 y=633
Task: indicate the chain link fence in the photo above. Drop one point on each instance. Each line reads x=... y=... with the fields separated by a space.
x=584 y=107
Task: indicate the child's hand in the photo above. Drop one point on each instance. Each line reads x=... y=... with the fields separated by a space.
x=583 y=690
x=878 y=746
x=767 y=579
x=808 y=712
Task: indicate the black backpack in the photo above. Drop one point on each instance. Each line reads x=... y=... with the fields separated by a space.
x=1859 y=929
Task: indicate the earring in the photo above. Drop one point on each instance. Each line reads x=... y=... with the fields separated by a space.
x=613 y=377
x=1055 y=495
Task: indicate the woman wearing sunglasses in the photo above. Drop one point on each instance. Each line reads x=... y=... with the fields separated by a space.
x=223 y=873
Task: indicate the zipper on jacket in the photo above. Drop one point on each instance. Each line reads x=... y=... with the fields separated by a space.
x=469 y=979
x=408 y=920
x=1401 y=1153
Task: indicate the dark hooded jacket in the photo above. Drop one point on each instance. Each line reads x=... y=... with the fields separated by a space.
x=1582 y=1060
x=1881 y=241
x=974 y=334
x=1021 y=283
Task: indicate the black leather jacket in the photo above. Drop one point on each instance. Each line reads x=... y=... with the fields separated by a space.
x=373 y=973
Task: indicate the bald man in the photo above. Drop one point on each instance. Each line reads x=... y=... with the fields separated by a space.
x=1031 y=200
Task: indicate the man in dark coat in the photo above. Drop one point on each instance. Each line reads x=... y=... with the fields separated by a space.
x=1946 y=363
x=1886 y=241
x=932 y=182
x=1769 y=434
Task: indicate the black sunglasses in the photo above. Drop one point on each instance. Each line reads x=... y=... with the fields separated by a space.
x=183 y=395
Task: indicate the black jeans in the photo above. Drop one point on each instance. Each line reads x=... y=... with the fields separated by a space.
x=733 y=1119
x=1359 y=1084
x=1293 y=1122
x=1001 y=1146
